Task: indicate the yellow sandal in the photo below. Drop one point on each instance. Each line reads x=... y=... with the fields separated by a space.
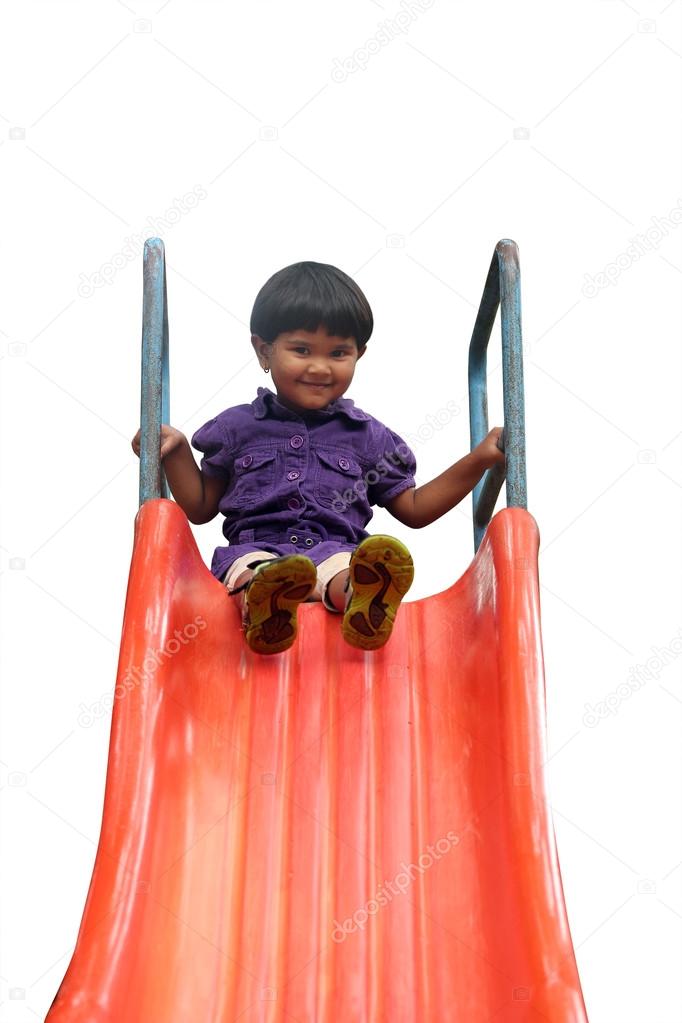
x=381 y=571
x=273 y=593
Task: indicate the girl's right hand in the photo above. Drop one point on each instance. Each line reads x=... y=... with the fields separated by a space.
x=170 y=440
x=488 y=451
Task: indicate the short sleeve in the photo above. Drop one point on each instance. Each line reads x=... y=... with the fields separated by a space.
x=211 y=440
x=395 y=466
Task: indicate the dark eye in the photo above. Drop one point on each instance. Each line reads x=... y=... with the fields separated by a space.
x=340 y=351
x=300 y=349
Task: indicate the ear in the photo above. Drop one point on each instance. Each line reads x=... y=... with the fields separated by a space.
x=261 y=347
x=361 y=352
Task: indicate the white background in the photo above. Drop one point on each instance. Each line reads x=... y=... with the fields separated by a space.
x=554 y=125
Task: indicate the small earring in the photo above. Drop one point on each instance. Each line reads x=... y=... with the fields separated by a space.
x=266 y=369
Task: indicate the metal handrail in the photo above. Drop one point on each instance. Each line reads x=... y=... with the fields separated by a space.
x=155 y=403
x=502 y=289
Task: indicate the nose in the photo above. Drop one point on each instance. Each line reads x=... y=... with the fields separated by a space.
x=318 y=371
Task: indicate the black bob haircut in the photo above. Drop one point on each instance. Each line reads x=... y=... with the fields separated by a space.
x=307 y=295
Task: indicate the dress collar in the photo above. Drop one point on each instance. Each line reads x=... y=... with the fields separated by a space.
x=267 y=403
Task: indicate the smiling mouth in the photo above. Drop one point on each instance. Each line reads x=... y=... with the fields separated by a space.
x=306 y=384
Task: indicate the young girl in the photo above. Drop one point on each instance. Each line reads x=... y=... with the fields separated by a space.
x=297 y=471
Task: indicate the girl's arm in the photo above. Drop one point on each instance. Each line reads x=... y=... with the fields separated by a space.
x=197 y=494
x=421 y=506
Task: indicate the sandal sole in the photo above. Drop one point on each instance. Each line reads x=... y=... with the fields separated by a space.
x=272 y=598
x=381 y=572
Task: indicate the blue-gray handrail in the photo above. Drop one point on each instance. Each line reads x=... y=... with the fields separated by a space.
x=155 y=405
x=503 y=289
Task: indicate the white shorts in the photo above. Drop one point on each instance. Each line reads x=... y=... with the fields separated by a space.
x=326 y=571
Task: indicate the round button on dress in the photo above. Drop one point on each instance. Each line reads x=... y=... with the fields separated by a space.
x=344 y=463
x=293 y=475
x=247 y=460
x=294 y=503
x=296 y=440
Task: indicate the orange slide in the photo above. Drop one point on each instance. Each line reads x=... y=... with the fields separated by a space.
x=326 y=835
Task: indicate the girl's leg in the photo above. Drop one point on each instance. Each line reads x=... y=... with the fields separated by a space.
x=240 y=597
x=332 y=574
x=336 y=590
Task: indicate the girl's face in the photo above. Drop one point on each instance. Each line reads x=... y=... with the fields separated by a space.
x=309 y=369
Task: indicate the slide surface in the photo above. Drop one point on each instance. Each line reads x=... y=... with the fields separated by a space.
x=326 y=835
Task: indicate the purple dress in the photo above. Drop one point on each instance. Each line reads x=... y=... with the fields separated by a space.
x=300 y=483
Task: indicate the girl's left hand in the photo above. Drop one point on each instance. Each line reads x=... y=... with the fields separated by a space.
x=488 y=452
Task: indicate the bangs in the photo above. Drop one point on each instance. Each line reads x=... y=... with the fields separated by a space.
x=307 y=296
